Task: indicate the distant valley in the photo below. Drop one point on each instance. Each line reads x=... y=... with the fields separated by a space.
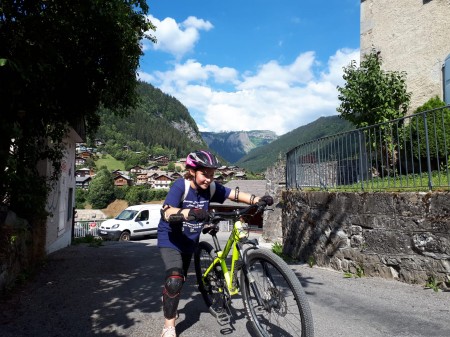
x=233 y=145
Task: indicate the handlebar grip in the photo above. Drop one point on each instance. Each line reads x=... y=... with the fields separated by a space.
x=176 y=218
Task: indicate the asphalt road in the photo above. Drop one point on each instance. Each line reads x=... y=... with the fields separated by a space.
x=115 y=290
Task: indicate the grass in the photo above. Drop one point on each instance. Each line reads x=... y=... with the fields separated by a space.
x=110 y=162
x=277 y=248
x=398 y=183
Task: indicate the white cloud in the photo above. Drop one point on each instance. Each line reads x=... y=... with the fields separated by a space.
x=277 y=97
x=176 y=39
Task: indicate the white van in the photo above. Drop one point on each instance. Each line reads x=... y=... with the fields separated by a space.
x=132 y=222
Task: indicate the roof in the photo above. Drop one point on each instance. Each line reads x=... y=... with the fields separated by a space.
x=82 y=179
x=256 y=187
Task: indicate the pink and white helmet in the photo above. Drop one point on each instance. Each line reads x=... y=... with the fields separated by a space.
x=199 y=159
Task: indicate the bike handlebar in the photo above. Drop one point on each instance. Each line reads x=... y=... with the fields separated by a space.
x=215 y=217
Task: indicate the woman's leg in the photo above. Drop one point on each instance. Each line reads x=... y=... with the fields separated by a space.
x=176 y=266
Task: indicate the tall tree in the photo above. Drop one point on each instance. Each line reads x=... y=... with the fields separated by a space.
x=101 y=189
x=372 y=95
x=60 y=60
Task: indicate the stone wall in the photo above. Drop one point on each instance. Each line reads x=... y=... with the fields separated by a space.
x=404 y=236
x=22 y=248
x=275 y=184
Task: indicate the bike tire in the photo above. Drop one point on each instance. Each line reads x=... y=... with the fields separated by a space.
x=212 y=289
x=285 y=310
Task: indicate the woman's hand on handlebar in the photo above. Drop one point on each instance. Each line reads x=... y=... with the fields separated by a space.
x=265 y=200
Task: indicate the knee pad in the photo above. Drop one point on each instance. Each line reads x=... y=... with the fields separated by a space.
x=171 y=293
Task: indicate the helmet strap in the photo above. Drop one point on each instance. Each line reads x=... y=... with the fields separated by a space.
x=195 y=181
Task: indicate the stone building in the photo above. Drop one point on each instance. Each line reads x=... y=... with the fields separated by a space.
x=411 y=36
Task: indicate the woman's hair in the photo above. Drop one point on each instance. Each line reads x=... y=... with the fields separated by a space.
x=188 y=174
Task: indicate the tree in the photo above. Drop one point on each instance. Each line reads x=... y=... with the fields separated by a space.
x=101 y=189
x=60 y=61
x=372 y=95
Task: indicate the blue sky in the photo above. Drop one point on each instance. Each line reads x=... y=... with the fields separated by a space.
x=252 y=64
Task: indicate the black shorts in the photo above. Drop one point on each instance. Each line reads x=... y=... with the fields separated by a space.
x=172 y=258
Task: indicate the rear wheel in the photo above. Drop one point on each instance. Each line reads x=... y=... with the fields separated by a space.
x=284 y=310
x=212 y=286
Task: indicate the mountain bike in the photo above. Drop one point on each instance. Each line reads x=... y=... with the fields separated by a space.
x=273 y=297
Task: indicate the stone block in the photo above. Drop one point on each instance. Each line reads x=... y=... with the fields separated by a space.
x=378 y=203
x=439 y=204
x=411 y=204
x=387 y=242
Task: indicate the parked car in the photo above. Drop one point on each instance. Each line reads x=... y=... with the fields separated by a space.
x=132 y=222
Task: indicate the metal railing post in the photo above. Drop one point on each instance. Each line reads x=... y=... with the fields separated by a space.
x=427 y=142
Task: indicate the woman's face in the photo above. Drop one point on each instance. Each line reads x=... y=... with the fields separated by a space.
x=204 y=177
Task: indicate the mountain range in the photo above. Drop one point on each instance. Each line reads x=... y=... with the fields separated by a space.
x=160 y=124
x=233 y=145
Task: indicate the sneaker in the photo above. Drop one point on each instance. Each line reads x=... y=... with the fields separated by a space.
x=169 y=332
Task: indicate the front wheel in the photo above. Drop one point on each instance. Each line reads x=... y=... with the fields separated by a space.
x=125 y=236
x=284 y=309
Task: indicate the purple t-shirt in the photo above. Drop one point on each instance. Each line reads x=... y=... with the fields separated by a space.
x=185 y=238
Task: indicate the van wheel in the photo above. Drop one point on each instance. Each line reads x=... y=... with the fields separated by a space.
x=125 y=236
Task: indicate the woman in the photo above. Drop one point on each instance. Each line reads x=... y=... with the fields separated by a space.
x=189 y=197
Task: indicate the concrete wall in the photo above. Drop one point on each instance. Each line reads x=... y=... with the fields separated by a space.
x=61 y=200
x=412 y=36
x=404 y=236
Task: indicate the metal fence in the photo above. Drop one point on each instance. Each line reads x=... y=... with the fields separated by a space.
x=409 y=153
x=83 y=228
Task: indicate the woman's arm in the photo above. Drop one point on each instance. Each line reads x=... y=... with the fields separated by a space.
x=238 y=196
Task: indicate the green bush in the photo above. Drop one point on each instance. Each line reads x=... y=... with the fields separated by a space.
x=438 y=129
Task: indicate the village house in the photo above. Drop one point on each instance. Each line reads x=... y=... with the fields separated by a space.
x=85 y=154
x=136 y=169
x=161 y=181
x=79 y=161
x=141 y=179
x=122 y=180
x=84 y=172
x=83 y=182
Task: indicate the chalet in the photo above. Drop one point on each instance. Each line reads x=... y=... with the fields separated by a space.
x=162 y=160
x=82 y=182
x=83 y=172
x=116 y=173
x=85 y=154
x=141 y=179
x=161 y=181
x=219 y=178
x=122 y=180
x=240 y=176
x=175 y=175
x=80 y=161
x=99 y=142
x=152 y=168
x=136 y=169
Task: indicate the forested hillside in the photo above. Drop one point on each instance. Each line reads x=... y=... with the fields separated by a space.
x=159 y=125
x=260 y=158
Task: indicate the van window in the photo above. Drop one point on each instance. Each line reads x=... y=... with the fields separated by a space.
x=143 y=216
x=126 y=214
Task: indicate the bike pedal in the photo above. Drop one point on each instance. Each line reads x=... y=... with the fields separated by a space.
x=221 y=316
